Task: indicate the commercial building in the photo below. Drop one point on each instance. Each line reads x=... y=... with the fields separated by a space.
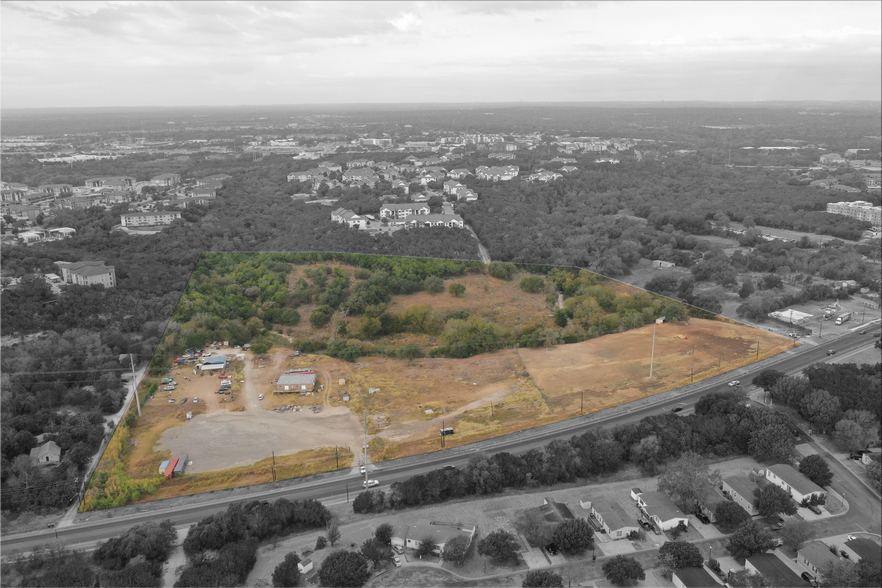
x=859 y=209
x=88 y=273
x=149 y=219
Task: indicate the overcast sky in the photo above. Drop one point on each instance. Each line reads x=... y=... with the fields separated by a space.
x=226 y=53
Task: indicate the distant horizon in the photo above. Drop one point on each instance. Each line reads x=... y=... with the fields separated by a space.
x=598 y=103
x=121 y=54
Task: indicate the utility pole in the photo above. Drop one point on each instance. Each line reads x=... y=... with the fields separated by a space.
x=135 y=384
x=692 y=373
x=582 y=402
x=652 y=355
x=757 y=349
x=491 y=409
x=442 y=434
x=274 y=466
x=336 y=456
x=364 y=413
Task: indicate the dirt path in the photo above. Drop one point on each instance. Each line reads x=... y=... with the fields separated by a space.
x=403 y=432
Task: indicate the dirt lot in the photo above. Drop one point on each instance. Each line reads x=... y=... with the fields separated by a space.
x=615 y=369
x=480 y=397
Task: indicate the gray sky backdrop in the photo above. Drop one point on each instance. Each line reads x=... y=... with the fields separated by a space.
x=61 y=54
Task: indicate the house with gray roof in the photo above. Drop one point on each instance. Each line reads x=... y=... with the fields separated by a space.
x=816 y=558
x=695 y=577
x=793 y=482
x=741 y=490
x=46 y=454
x=771 y=567
x=302 y=382
x=661 y=509
x=612 y=518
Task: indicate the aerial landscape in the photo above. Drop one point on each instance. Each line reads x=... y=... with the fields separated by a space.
x=441 y=294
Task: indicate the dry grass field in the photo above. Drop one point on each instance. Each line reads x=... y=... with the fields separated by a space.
x=231 y=439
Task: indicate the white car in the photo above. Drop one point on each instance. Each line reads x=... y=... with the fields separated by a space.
x=362 y=470
x=370 y=483
x=397 y=561
x=195 y=399
x=260 y=397
x=734 y=383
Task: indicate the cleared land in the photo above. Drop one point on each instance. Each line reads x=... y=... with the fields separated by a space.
x=231 y=439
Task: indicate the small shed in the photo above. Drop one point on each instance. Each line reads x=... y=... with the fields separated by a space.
x=182 y=463
x=342 y=381
x=163 y=466
x=305 y=565
x=346 y=397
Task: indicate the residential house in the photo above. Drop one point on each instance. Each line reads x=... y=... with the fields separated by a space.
x=404 y=210
x=459 y=173
x=569 y=169
x=28 y=237
x=361 y=176
x=302 y=382
x=117 y=182
x=832 y=159
x=46 y=454
x=708 y=504
x=544 y=176
x=83 y=202
x=844 y=188
x=611 y=517
x=330 y=166
x=56 y=190
x=860 y=549
x=435 y=220
x=354 y=221
x=432 y=176
x=452 y=186
x=771 y=567
x=741 y=490
x=149 y=219
x=440 y=533
x=87 y=273
x=401 y=184
x=316 y=174
x=62 y=232
x=25 y=212
x=357 y=163
x=204 y=192
x=497 y=173
x=793 y=482
x=816 y=557
x=11 y=192
x=168 y=180
x=661 y=509
x=695 y=577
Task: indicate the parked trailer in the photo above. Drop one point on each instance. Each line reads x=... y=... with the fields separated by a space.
x=182 y=463
x=170 y=470
x=842 y=318
x=446 y=431
x=162 y=466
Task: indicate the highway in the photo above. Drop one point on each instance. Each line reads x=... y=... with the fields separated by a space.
x=333 y=487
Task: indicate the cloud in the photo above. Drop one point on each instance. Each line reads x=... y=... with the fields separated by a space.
x=405 y=21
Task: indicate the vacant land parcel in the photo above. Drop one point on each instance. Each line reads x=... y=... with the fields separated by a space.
x=408 y=346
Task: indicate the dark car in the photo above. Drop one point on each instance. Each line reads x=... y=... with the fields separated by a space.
x=678 y=409
x=831 y=352
x=551 y=548
x=183 y=401
x=449 y=468
x=808 y=577
x=702 y=517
